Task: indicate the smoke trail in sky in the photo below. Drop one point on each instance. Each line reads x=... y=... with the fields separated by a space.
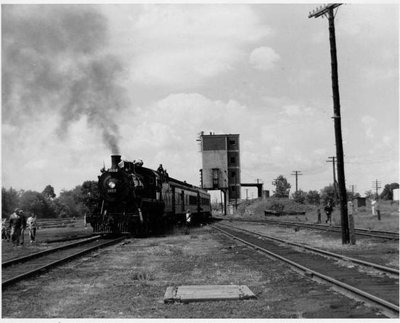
x=55 y=60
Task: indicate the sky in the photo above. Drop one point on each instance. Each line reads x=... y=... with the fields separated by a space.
x=81 y=82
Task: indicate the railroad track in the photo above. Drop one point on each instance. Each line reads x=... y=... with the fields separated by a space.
x=21 y=268
x=70 y=238
x=389 y=235
x=379 y=287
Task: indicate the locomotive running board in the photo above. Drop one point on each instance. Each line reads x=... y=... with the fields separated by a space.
x=198 y=293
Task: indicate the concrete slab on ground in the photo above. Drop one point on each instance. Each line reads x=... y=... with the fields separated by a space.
x=200 y=293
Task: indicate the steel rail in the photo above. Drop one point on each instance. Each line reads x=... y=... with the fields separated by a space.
x=365 y=232
x=311 y=272
x=323 y=252
x=70 y=238
x=33 y=272
x=46 y=252
x=336 y=227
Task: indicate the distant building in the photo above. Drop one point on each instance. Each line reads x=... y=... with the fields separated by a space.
x=359 y=202
x=221 y=164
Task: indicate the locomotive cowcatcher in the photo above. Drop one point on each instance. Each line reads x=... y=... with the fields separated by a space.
x=138 y=200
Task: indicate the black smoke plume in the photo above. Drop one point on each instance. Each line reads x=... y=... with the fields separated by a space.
x=55 y=60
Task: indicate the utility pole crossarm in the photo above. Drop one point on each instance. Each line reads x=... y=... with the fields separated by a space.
x=323 y=10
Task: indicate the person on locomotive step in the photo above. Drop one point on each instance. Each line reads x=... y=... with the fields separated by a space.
x=15 y=225
x=188 y=219
x=31 y=223
x=328 y=210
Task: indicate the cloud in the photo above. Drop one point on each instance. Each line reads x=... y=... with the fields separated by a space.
x=291 y=110
x=166 y=132
x=367 y=20
x=388 y=141
x=263 y=58
x=37 y=165
x=184 y=45
x=296 y=110
x=377 y=75
x=369 y=125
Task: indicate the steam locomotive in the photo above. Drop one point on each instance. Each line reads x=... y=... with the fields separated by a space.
x=138 y=200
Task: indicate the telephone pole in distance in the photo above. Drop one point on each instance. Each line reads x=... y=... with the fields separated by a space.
x=332 y=160
x=376 y=187
x=296 y=173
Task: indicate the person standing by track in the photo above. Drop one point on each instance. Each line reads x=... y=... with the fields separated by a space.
x=31 y=223
x=328 y=210
x=23 y=226
x=15 y=225
x=188 y=219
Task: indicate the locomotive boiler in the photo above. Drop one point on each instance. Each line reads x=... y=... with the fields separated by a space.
x=138 y=200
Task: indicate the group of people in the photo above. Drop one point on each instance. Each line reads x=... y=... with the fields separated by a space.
x=375 y=208
x=13 y=230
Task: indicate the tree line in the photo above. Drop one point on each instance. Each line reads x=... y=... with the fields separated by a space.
x=84 y=198
x=70 y=203
x=282 y=189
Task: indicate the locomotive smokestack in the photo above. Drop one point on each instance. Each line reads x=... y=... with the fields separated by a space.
x=115 y=159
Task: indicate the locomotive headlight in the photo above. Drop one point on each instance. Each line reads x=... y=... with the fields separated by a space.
x=111 y=184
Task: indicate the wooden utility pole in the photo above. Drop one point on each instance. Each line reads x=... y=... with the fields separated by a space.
x=296 y=173
x=328 y=11
x=335 y=186
x=377 y=187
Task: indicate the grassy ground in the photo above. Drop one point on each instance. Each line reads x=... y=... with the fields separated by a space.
x=42 y=234
x=373 y=250
x=363 y=217
x=129 y=280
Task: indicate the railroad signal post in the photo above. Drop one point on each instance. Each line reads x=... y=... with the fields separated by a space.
x=328 y=11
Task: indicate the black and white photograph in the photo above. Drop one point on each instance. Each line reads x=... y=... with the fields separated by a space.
x=187 y=160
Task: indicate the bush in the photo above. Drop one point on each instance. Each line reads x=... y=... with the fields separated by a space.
x=276 y=206
x=299 y=197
